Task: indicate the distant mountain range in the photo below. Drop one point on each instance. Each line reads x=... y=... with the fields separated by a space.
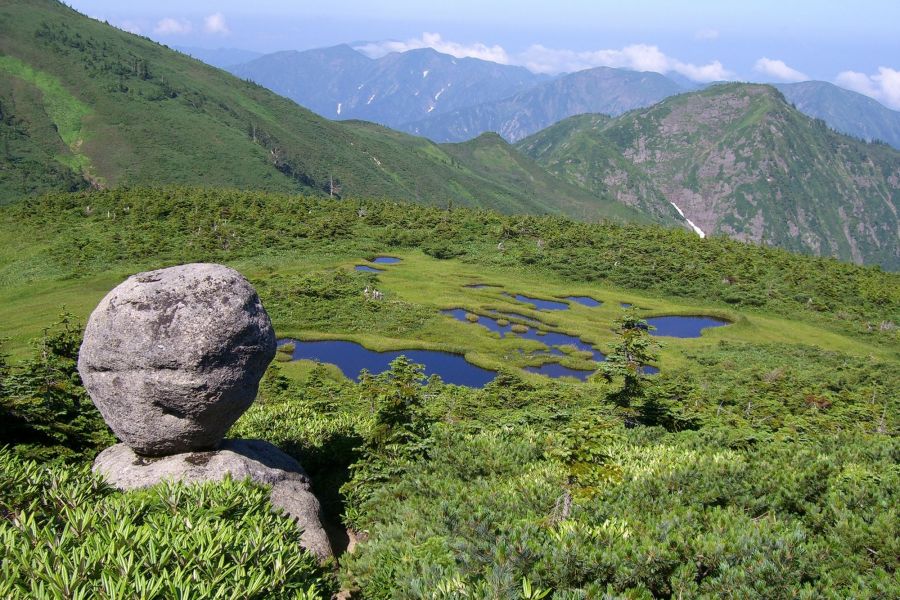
x=85 y=104
x=220 y=57
x=341 y=83
x=448 y=99
x=601 y=90
x=845 y=111
x=738 y=160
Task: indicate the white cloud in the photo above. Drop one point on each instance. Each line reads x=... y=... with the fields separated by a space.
x=540 y=59
x=639 y=57
x=779 y=70
x=215 y=23
x=707 y=34
x=884 y=86
x=434 y=40
x=170 y=26
x=130 y=27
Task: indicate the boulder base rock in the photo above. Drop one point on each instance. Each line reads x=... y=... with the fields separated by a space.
x=260 y=461
x=173 y=357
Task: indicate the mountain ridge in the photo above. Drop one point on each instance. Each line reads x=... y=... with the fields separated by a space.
x=85 y=104
x=738 y=160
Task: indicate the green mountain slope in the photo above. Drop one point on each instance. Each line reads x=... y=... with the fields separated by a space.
x=84 y=104
x=738 y=160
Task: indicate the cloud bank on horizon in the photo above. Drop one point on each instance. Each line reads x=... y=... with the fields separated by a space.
x=777 y=69
x=540 y=59
x=883 y=86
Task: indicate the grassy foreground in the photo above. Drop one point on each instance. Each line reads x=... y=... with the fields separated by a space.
x=761 y=462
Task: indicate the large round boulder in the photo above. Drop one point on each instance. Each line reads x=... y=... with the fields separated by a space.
x=173 y=357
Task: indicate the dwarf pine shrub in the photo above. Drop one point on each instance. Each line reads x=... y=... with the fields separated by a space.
x=65 y=534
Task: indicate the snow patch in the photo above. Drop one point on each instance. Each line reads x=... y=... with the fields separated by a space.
x=696 y=229
x=360 y=87
x=438 y=95
x=430 y=108
x=425 y=73
x=372 y=97
x=339 y=107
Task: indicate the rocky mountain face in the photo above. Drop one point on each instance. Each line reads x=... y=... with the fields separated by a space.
x=738 y=160
x=601 y=90
x=341 y=83
x=845 y=111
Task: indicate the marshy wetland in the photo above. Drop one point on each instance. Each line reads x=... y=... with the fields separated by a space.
x=766 y=446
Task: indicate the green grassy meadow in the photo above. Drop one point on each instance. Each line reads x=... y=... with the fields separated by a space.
x=761 y=461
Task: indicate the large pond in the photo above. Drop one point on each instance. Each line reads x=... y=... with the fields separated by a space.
x=351 y=358
x=538 y=302
x=683 y=327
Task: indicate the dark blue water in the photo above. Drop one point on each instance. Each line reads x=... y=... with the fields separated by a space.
x=368 y=269
x=540 y=304
x=514 y=315
x=351 y=358
x=556 y=370
x=625 y=304
x=549 y=352
x=683 y=327
x=460 y=315
x=551 y=338
x=385 y=260
x=584 y=300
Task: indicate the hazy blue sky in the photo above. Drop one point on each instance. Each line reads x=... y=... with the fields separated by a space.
x=853 y=43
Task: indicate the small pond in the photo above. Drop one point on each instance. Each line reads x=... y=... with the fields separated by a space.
x=556 y=370
x=530 y=321
x=539 y=303
x=479 y=286
x=385 y=260
x=625 y=304
x=460 y=315
x=585 y=301
x=683 y=327
x=351 y=358
x=368 y=269
x=550 y=339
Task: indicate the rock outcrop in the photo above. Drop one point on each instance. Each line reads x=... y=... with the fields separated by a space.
x=255 y=459
x=173 y=357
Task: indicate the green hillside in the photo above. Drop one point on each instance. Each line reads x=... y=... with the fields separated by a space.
x=760 y=462
x=84 y=104
x=739 y=161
